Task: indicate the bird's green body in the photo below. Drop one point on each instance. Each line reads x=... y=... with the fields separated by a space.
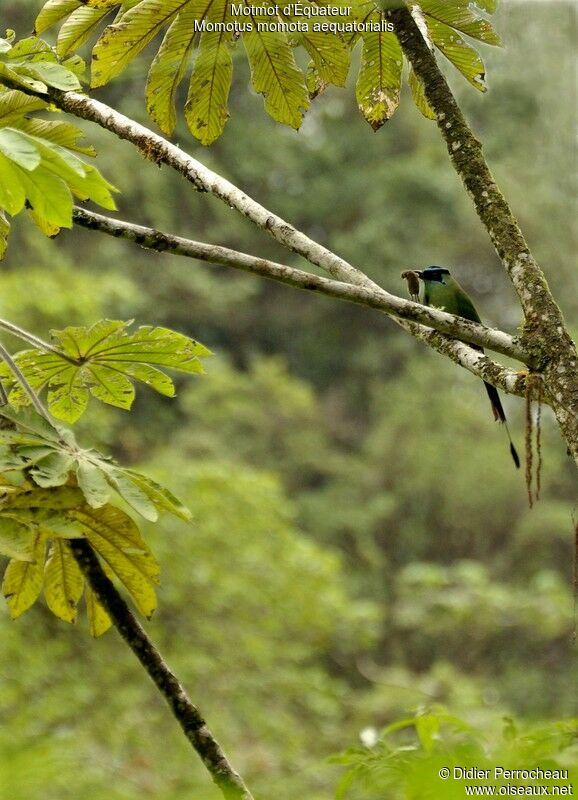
x=443 y=291
x=447 y=293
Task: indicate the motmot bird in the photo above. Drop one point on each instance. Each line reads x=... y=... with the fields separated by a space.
x=443 y=291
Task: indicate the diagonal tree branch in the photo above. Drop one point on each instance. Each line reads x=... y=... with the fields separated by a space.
x=188 y=716
x=159 y=150
x=457 y=327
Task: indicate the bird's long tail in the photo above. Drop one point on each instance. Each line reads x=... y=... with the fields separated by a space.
x=500 y=416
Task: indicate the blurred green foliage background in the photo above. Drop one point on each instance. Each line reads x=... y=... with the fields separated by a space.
x=361 y=544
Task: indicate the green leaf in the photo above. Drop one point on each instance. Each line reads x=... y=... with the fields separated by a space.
x=50 y=74
x=427 y=727
x=17 y=540
x=63 y=582
x=78 y=28
x=48 y=195
x=418 y=95
x=51 y=459
x=38 y=167
x=60 y=133
x=168 y=69
x=31 y=48
x=4 y=231
x=52 y=470
x=461 y=17
x=329 y=54
x=274 y=73
x=13 y=76
x=19 y=149
x=12 y=193
x=379 y=80
x=118 y=541
x=122 y=41
x=93 y=483
x=161 y=497
x=461 y=55
x=29 y=422
x=22 y=581
x=132 y=494
x=53 y=11
x=98 y=619
x=206 y=109
x=14 y=105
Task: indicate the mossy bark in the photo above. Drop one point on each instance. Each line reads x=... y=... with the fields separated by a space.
x=544 y=333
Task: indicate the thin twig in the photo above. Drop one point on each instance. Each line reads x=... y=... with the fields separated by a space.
x=376 y=298
x=26 y=336
x=17 y=372
x=186 y=713
x=161 y=151
x=559 y=364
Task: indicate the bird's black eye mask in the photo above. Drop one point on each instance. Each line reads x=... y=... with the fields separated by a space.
x=434 y=274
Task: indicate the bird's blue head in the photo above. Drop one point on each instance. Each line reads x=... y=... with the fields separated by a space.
x=433 y=274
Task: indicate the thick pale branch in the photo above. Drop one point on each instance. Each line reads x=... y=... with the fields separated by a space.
x=193 y=725
x=377 y=298
x=159 y=150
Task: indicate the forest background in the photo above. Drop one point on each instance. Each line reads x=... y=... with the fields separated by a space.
x=361 y=543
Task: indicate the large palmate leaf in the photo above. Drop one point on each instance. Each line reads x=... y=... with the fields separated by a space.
x=124 y=39
x=51 y=458
x=103 y=361
x=40 y=167
x=201 y=33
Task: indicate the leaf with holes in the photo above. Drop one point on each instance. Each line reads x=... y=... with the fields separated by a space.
x=459 y=15
x=462 y=56
x=379 y=81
